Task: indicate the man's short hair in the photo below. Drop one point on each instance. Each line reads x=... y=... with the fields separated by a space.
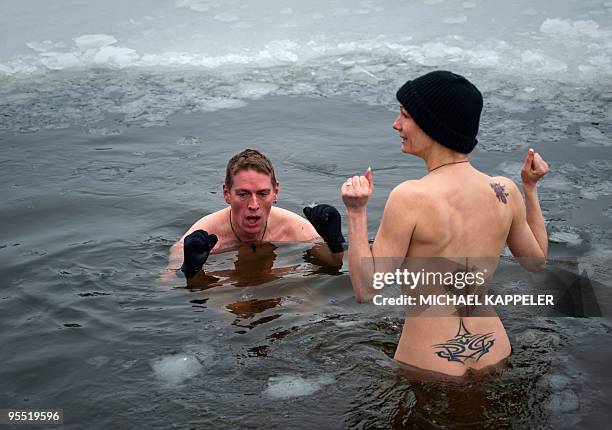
x=248 y=159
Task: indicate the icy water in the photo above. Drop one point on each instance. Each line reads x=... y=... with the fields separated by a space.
x=115 y=128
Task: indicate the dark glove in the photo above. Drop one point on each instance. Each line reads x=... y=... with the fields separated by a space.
x=197 y=247
x=326 y=220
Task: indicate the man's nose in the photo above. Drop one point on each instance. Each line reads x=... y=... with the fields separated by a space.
x=253 y=202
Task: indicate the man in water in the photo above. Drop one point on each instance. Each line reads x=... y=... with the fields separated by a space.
x=251 y=190
x=455 y=210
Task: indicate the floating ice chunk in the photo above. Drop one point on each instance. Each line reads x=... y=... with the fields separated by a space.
x=461 y=19
x=537 y=338
x=356 y=70
x=536 y=60
x=510 y=168
x=44 y=46
x=571 y=239
x=530 y=11
x=189 y=140
x=59 y=60
x=564 y=401
x=600 y=165
x=128 y=364
x=556 y=382
x=280 y=50
x=91 y=41
x=121 y=57
x=175 y=369
x=531 y=56
x=215 y=104
x=285 y=387
x=468 y=5
x=556 y=26
x=431 y=2
x=226 y=17
x=103 y=131
x=508 y=135
x=600 y=251
x=557 y=182
x=590 y=28
x=345 y=324
x=98 y=361
x=318 y=16
x=569 y=28
x=593 y=192
x=286 y=11
x=437 y=50
x=173 y=58
x=483 y=58
x=591 y=134
x=254 y=90
x=302 y=87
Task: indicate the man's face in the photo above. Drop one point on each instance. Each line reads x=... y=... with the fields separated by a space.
x=251 y=198
x=413 y=137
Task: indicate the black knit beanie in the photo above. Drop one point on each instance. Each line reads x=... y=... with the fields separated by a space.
x=446 y=106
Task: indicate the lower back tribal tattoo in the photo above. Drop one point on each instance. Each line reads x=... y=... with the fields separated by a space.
x=465 y=345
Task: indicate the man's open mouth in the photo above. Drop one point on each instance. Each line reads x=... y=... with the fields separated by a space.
x=253 y=219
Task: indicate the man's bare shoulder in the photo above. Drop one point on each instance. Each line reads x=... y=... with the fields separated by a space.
x=211 y=223
x=295 y=228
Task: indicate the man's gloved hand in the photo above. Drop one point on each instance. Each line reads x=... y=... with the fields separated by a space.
x=326 y=220
x=197 y=247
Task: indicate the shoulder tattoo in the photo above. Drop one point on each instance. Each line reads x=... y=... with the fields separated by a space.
x=500 y=192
